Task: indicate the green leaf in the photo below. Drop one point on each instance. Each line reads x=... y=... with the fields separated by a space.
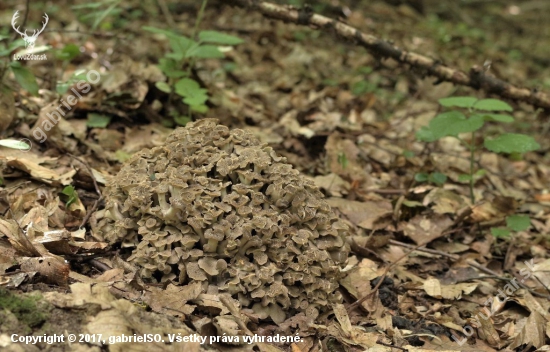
x=480 y=173
x=464 y=177
x=79 y=75
x=437 y=178
x=73 y=196
x=453 y=123
x=25 y=78
x=500 y=232
x=511 y=143
x=111 y=10
x=92 y=5
x=169 y=34
x=408 y=154
x=215 y=37
x=421 y=177
x=186 y=87
x=12 y=143
x=19 y=43
x=181 y=46
x=518 y=222
x=424 y=134
x=191 y=91
x=63 y=87
x=412 y=203
x=182 y=120
x=492 y=105
x=365 y=70
x=170 y=68
x=197 y=99
x=69 y=52
x=343 y=160
x=205 y=52
x=363 y=87
x=459 y=102
x=231 y=66
x=122 y=156
x=497 y=117
x=327 y=81
x=202 y=109
x=98 y=120
x=163 y=86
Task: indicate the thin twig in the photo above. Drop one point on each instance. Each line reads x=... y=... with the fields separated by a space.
x=381 y=279
x=78 y=31
x=426 y=250
x=470 y=262
x=26 y=13
x=476 y=78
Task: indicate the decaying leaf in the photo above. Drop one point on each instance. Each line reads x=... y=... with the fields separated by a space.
x=434 y=288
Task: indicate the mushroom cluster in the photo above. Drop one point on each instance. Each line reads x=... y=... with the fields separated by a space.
x=216 y=206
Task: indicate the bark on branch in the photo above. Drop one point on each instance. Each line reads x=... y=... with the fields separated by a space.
x=476 y=78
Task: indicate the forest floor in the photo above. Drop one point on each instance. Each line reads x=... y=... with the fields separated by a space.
x=466 y=265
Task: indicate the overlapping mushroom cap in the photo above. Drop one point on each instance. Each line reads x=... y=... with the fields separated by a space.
x=217 y=206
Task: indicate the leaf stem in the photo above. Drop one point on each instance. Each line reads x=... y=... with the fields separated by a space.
x=472 y=151
x=199 y=19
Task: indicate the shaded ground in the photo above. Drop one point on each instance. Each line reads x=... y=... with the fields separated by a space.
x=340 y=116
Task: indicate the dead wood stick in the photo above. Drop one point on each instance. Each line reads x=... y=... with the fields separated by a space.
x=475 y=78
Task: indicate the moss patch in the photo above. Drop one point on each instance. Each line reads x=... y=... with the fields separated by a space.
x=24 y=308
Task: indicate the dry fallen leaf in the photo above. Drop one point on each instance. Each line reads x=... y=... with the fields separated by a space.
x=368 y=215
x=423 y=229
x=434 y=288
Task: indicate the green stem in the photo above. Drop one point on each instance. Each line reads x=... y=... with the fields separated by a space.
x=191 y=62
x=200 y=15
x=199 y=19
x=472 y=151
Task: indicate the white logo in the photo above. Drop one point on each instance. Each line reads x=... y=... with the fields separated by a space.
x=29 y=40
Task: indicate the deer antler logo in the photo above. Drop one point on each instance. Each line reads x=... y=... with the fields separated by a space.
x=29 y=40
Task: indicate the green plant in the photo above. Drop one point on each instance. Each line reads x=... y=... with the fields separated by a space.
x=64 y=56
x=22 y=75
x=343 y=160
x=26 y=308
x=366 y=84
x=435 y=177
x=513 y=223
x=177 y=64
x=70 y=192
x=455 y=123
x=94 y=13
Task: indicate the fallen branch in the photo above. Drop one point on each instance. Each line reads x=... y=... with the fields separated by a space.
x=476 y=78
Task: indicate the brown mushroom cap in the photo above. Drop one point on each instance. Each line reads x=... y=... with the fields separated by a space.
x=215 y=205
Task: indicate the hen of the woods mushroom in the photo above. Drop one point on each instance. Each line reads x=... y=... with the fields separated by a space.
x=216 y=206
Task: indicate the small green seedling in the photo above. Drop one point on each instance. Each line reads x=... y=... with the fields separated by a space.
x=22 y=75
x=70 y=192
x=514 y=223
x=343 y=160
x=95 y=13
x=177 y=64
x=476 y=113
x=436 y=178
